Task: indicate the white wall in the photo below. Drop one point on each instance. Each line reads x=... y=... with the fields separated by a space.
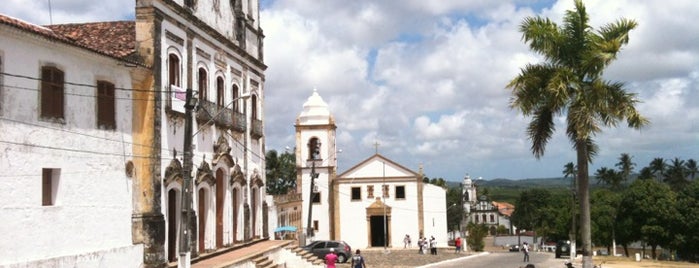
x=91 y=218
x=435 y=214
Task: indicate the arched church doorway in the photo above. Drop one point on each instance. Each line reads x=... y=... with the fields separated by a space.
x=379 y=231
x=378 y=216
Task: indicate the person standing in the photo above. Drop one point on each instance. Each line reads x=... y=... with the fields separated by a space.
x=525 y=249
x=457 y=243
x=433 y=245
x=358 y=260
x=406 y=241
x=330 y=259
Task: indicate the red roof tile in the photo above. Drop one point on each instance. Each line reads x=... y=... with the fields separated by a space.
x=115 y=39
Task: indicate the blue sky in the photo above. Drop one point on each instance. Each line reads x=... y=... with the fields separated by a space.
x=426 y=79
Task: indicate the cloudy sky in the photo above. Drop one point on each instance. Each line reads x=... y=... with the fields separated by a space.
x=426 y=79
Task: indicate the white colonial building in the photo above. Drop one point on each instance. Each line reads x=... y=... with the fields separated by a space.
x=379 y=200
x=482 y=210
x=93 y=135
x=373 y=204
x=66 y=123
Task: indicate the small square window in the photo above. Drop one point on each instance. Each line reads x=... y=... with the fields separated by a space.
x=316 y=198
x=400 y=192
x=356 y=193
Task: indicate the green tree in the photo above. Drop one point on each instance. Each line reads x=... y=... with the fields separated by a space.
x=625 y=166
x=603 y=212
x=657 y=166
x=570 y=81
x=476 y=234
x=455 y=211
x=687 y=228
x=281 y=172
x=645 y=174
x=676 y=175
x=533 y=211
x=609 y=177
x=692 y=169
x=651 y=207
x=569 y=170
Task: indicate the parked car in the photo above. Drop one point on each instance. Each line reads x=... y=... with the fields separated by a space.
x=320 y=248
x=514 y=248
x=563 y=248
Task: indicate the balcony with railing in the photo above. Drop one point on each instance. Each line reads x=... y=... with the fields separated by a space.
x=222 y=116
x=256 y=131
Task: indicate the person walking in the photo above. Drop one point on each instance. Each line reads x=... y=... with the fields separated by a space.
x=421 y=245
x=406 y=241
x=330 y=259
x=525 y=250
x=433 y=246
x=457 y=244
x=358 y=260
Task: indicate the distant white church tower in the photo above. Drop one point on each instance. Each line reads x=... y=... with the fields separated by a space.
x=469 y=195
x=316 y=152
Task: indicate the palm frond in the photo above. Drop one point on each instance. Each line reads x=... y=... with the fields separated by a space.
x=542 y=35
x=540 y=130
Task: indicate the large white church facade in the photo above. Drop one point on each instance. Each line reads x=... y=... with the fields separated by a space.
x=373 y=204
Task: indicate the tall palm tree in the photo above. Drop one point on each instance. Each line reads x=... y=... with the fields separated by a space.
x=609 y=177
x=570 y=82
x=676 y=174
x=657 y=165
x=569 y=170
x=692 y=169
x=626 y=166
x=645 y=174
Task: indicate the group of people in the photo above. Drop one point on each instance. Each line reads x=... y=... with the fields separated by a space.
x=423 y=244
x=357 y=259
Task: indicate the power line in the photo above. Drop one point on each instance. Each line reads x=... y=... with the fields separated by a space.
x=81 y=84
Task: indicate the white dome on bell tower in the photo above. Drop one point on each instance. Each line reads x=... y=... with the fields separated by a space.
x=315 y=111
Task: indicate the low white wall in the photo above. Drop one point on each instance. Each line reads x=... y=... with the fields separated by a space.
x=131 y=256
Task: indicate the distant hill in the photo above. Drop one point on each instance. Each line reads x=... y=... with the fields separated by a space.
x=559 y=182
x=507 y=190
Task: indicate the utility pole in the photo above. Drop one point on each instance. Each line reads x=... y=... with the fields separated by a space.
x=186 y=199
x=316 y=150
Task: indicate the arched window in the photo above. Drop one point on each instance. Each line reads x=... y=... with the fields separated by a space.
x=314 y=149
x=236 y=95
x=173 y=70
x=203 y=85
x=253 y=103
x=219 y=91
x=492 y=218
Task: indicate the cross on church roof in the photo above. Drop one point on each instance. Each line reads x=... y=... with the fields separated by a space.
x=376 y=147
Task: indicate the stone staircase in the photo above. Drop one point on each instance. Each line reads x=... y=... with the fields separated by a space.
x=263 y=262
x=309 y=257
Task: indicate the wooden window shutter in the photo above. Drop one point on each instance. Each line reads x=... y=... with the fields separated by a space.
x=51 y=92
x=105 y=105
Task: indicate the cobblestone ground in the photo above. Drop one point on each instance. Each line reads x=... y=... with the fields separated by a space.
x=404 y=258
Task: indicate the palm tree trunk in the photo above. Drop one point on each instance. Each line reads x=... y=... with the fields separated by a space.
x=584 y=195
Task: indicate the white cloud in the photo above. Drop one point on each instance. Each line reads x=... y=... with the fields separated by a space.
x=427 y=78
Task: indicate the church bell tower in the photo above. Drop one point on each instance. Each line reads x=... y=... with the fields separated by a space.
x=316 y=165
